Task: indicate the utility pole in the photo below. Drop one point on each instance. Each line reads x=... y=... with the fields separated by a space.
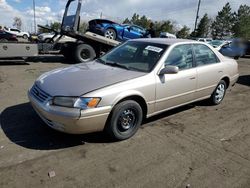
x=34 y=10
x=197 y=15
x=101 y=15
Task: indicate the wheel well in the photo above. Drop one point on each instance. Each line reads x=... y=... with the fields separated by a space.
x=140 y=101
x=227 y=80
x=112 y=28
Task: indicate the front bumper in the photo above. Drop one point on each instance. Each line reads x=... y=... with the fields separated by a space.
x=70 y=120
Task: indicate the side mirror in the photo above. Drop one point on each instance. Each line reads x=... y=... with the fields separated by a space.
x=169 y=70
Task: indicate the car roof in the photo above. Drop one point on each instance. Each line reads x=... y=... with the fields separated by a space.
x=167 y=41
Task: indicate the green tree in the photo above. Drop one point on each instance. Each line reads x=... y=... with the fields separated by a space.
x=56 y=26
x=223 y=24
x=203 y=27
x=126 y=21
x=17 y=23
x=83 y=26
x=183 y=33
x=242 y=23
x=164 y=26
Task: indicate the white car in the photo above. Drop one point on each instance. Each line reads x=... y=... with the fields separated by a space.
x=218 y=44
x=206 y=40
x=17 y=32
x=46 y=37
x=167 y=35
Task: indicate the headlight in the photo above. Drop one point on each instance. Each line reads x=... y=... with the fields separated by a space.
x=76 y=102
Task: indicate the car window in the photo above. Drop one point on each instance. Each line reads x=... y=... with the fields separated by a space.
x=136 y=29
x=181 y=56
x=15 y=30
x=204 y=55
x=140 y=56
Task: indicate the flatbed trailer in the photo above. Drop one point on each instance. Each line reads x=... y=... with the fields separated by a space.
x=87 y=46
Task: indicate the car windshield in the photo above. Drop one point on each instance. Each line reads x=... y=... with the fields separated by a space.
x=135 y=55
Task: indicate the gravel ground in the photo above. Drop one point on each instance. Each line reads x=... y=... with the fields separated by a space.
x=196 y=145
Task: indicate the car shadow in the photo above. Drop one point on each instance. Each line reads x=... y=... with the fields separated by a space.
x=170 y=112
x=49 y=59
x=24 y=127
x=38 y=59
x=244 y=80
x=13 y=61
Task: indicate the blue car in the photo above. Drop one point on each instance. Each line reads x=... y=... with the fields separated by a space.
x=235 y=49
x=115 y=31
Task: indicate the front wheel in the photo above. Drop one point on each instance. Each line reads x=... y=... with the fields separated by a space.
x=219 y=93
x=125 y=120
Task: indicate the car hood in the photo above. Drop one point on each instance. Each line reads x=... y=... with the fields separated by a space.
x=83 y=78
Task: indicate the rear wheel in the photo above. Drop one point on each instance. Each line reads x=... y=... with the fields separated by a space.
x=48 y=40
x=110 y=34
x=84 y=53
x=25 y=36
x=219 y=93
x=125 y=120
x=3 y=40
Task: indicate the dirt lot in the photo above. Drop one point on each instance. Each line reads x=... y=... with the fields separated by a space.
x=199 y=145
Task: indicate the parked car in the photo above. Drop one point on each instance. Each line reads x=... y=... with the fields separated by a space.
x=234 y=49
x=116 y=31
x=167 y=35
x=17 y=32
x=247 y=46
x=134 y=81
x=217 y=44
x=48 y=37
x=207 y=40
x=5 y=36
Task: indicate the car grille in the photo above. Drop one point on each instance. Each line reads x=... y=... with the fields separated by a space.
x=39 y=94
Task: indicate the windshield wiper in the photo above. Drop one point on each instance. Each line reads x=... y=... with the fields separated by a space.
x=114 y=64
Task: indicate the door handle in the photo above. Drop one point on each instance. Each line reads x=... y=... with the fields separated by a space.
x=220 y=71
x=192 y=78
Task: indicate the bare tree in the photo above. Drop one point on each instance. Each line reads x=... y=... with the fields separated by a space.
x=17 y=22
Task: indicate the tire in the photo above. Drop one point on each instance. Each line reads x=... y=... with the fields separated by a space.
x=124 y=121
x=110 y=34
x=48 y=40
x=3 y=40
x=236 y=57
x=25 y=36
x=219 y=93
x=84 y=53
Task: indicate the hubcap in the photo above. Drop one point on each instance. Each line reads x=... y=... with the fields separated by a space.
x=126 y=120
x=85 y=54
x=109 y=34
x=220 y=92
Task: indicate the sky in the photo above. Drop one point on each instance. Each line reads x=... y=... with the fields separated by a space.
x=47 y=11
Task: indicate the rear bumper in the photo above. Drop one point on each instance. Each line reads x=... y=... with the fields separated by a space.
x=233 y=80
x=72 y=121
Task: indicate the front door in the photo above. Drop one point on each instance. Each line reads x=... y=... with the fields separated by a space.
x=176 y=89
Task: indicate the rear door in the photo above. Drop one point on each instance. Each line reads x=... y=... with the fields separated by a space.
x=209 y=70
